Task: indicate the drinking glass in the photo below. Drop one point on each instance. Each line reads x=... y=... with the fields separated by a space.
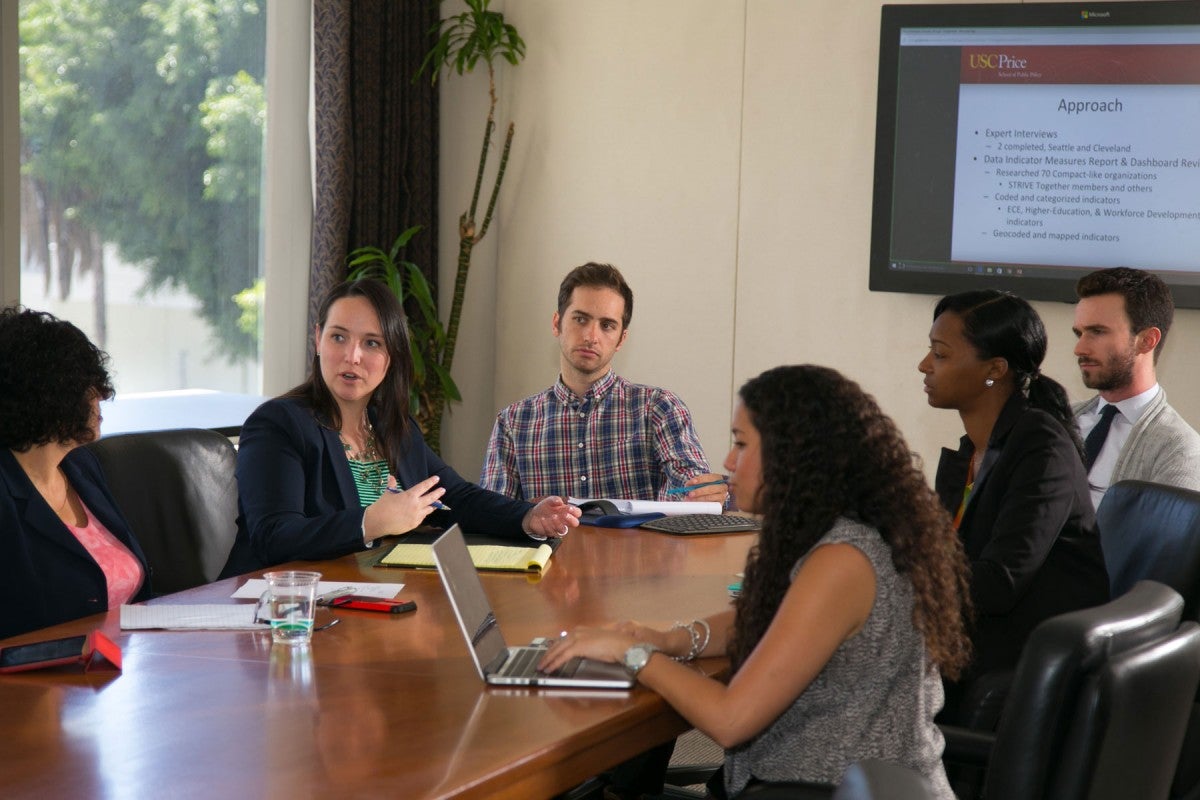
x=289 y=604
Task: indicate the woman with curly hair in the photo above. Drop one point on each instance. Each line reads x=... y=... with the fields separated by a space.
x=852 y=601
x=65 y=549
x=1016 y=485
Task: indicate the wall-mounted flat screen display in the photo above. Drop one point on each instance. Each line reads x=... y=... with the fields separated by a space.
x=1020 y=146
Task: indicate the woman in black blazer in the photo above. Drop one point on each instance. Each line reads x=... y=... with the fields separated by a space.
x=337 y=462
x=1016 y=486
x=65 y=549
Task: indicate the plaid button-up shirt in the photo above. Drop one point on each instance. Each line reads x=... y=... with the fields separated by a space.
x=620 y=440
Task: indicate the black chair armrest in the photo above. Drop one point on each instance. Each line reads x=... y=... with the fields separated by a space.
x=983 y=701
x=690 y=774
x=964 y=746
x=790 y=790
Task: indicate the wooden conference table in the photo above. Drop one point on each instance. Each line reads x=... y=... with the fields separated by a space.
x=376 y=706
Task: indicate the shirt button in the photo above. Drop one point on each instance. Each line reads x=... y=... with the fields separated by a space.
x=583 y=479
x=581 y=415
x=580 y=445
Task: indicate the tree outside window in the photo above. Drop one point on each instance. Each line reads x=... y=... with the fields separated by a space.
x=141 y=149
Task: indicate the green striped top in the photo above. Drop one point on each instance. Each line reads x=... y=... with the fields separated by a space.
x=370 y=477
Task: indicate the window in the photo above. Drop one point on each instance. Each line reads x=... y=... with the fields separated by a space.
x=141 y=162
x=142 y=181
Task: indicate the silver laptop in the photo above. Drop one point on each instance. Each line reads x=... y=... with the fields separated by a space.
x=496 y=662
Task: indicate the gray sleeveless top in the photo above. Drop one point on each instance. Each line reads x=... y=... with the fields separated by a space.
x=874 y=699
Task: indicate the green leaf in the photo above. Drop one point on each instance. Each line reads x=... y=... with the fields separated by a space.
x=420 y=287
x=403 y=239
x=465 y=38
x=449 y=387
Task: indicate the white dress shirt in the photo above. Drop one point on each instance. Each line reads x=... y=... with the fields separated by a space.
x=1130 y=410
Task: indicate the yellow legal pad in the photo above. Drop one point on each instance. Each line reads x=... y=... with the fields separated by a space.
x=484 y=556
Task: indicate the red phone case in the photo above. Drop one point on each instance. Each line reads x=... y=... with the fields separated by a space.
x=94 y=650
x=374 y=604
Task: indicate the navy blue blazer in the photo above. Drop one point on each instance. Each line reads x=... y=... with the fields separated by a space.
x=46 y=575
x=297 y=499
x=1029 y=530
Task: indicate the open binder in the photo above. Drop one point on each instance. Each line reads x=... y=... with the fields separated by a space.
x=616 y=513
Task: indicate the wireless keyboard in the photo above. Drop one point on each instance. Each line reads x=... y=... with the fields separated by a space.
x=688 y=524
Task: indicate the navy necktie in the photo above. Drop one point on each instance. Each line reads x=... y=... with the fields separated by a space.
x=1095 y=440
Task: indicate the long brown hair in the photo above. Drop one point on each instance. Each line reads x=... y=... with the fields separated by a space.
x=389 y=401
x=828 y=451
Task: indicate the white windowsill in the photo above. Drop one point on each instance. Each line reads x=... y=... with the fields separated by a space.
x=185 y=408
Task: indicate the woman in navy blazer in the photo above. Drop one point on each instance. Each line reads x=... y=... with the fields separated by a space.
x=337 y=462
x=1016 y=486
x=53 y=497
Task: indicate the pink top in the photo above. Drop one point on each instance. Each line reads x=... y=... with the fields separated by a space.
x=121 y=568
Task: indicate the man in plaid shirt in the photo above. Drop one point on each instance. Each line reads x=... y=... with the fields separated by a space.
x=593 y=433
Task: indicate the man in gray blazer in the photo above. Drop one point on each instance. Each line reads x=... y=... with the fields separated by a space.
x=1130 y=432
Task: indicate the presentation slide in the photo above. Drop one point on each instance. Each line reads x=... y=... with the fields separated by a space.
x=1057 y=160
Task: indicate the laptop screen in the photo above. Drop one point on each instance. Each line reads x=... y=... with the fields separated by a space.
x=468 y=600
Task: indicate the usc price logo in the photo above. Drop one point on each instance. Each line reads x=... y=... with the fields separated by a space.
x=996 y=61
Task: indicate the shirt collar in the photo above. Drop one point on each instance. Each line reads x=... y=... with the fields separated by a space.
x=1132 y=408
x=596 y=391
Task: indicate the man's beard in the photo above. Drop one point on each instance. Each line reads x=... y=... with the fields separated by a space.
x=1117 y=373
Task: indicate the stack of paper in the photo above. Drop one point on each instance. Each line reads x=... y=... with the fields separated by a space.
x=212 y=616
x=254 y=587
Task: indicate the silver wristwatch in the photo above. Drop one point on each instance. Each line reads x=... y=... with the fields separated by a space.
x=637 y=656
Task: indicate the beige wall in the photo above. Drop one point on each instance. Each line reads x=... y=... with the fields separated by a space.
x=720 y=153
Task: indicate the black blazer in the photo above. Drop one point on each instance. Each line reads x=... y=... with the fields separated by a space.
x=46 y=575
x=1029 y=531
x=297 y=499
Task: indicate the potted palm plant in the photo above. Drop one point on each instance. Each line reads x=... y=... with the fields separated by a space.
x=427 y=335
x=463 y=40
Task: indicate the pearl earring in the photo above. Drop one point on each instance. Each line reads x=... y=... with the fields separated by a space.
x=989 y=383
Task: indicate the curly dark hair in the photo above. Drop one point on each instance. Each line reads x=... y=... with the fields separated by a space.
x=49 y=374
x=828 y=451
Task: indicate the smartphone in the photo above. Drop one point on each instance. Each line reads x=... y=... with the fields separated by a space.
x=37 y=655
x=363 y=603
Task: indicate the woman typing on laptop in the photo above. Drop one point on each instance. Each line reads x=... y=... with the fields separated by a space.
x=853 y=599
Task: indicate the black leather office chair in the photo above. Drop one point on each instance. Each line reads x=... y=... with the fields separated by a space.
x=178 y=490
x=1039 y=743
x=1152 y=532
x=869 y=779
x=1148 y=532
x=1129 y=729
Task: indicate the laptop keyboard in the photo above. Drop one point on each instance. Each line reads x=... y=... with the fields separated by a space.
x=523 y=661
x=687 y=524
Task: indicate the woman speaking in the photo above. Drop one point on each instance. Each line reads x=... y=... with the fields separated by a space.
x=337 y=462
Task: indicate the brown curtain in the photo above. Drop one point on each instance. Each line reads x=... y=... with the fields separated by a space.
x=376 y=134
